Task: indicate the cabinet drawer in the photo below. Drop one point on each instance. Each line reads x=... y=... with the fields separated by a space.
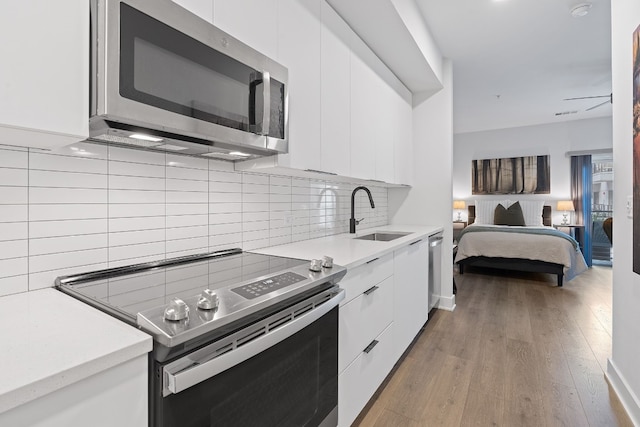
x=362 y=319
x=361 y=278
x=362 y=378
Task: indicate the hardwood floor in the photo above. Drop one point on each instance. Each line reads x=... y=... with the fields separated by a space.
x=517 y=351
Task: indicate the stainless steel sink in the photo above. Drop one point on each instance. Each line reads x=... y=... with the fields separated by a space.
x=383 y=236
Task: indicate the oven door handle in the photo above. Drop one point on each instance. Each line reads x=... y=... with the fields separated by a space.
x=178 y=377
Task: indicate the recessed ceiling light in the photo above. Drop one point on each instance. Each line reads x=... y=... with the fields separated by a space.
x=580 y=9
x=145 y=137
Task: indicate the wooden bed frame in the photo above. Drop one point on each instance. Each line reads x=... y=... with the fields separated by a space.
x=515 y=264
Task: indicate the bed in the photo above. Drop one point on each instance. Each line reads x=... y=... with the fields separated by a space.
x=536 y=247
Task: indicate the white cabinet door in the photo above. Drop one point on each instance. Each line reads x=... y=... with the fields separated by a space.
x=361 y=379
x=202 y=8
x=115 y=397
x=361 y=278
x=364 y=110
x=403 y=158
x=362 y=319
x=386 y=137
x=374 y=115
x=254 y=22
x=335 y=90
x=299 y=51
x=44 y=77
x=411 y=302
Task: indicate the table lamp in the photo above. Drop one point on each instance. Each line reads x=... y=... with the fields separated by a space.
x=566 y=206
x=459 y=205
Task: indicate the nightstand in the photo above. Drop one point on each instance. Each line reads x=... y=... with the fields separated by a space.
x=458 y=226
x=574 y=230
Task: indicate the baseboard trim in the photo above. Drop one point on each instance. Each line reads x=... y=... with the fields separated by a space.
x=447 y=303
x=628 y=399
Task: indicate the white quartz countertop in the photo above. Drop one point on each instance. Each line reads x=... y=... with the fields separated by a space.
x=50 y=340
x=347 y=251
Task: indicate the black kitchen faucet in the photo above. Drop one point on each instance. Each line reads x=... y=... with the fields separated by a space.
x=353 y=221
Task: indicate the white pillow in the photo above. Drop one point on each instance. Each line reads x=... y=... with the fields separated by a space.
x=532 y=212
x=485 y=210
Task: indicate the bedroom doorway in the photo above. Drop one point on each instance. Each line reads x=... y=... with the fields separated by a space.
x=601 y=207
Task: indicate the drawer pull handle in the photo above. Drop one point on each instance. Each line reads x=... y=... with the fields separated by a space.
x=370 y=346
x=371 y=290
x=375 y=259
x=417 y=241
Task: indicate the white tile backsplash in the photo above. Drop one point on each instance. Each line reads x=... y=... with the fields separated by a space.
x=14 y=159
x=42 y=195
x=39 y=178
x=14 y=249
x=137 y=169
x=52 y=245
x=15 y=177
x=14 y=195
x=14 y=231
x=42 y=161
x=39 y=229
x=66 y=212
x=14 y=285
x=88 y=207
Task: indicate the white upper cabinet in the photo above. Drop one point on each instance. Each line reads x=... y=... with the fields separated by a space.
x=387 y=132
x=44 y=77
x=335 y=65
x=202 y=8
x=364 y=110
x=403 y=157
x=253 y=22
x=374 y=115
x=348 y=113
x=299 y=50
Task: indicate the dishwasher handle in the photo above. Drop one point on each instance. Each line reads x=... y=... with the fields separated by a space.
x=436 y=241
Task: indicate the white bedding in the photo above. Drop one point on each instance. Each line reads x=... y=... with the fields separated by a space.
x=520 y=245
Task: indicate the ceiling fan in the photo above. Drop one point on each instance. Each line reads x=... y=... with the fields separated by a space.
x=610 y=100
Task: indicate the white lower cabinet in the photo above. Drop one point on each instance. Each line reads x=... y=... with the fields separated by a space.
x=115 y=397
x=411 y=303
x=362 y=319
x=385 y=306
x=365 y=345
x=358 y=382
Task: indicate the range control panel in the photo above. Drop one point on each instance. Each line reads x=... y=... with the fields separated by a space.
x=270 y=284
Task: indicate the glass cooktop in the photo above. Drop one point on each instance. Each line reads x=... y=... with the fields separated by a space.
x=140 y=291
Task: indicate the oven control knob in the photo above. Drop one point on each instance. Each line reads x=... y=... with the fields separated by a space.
x=176 y=310
x=208 y=300
x=327 y=262
x=316 y=265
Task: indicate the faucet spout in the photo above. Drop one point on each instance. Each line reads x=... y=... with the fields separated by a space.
x=352 y=221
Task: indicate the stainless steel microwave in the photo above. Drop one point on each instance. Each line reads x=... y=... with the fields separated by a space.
x=166 y=80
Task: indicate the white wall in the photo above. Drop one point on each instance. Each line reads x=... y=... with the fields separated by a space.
x=429 y=201
x=623 y=371
x=554 y=140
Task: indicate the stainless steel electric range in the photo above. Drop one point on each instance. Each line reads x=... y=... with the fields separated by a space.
x=240 y=339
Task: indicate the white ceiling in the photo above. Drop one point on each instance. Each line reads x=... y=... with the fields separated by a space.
x=514 y=61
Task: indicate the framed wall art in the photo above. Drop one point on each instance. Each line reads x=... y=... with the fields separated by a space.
x=512 y=175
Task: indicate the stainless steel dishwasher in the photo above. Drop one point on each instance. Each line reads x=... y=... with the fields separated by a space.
x=435 y=266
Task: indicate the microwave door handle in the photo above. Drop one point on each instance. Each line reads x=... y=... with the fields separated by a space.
x=266 y=96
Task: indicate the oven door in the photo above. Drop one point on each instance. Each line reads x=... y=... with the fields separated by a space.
x=280 y=371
